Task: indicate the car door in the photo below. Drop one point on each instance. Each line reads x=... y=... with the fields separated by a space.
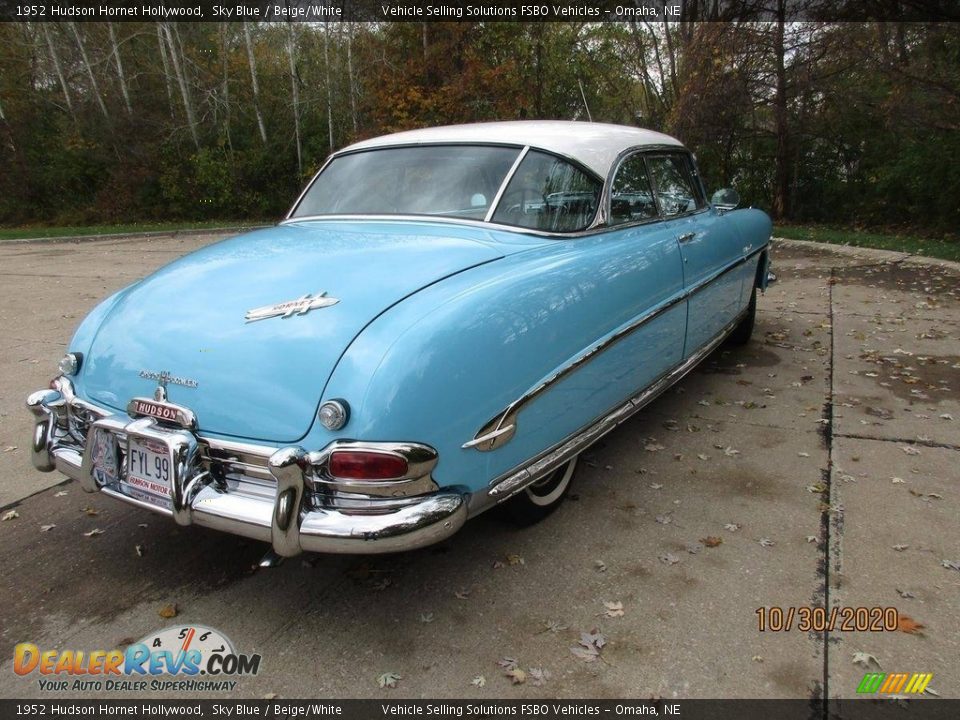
x=709 y=247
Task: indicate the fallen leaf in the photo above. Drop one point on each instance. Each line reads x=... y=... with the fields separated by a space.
x=10 y=448
x=757 y=658
x=668 y=559
x=946 y=416
x=426 y=617
x=269 y=696
x=515 y=560
x=811 y=538
x=10 y=515
x=803 y=454
x=388 y=679
x=653 y=447
x=712 y=541
x=91 y=511
x=539 y=675
x=907 y=624
x=732 y=527
x=139 y=550
x=950 y=564
x=910 y=450
x=479 y=681
x=94 y=532
x=817 y=488
x=61 y=493
x=693 y=548
x=766 y=542
x=905 y=594
x=517 y=676
x=664 y=519
x=47 y=528
x=594 y=638
x=600 y=565
x=701 y=456
x=730 y=452
x=508 y=663
x=553 y=626
x=865 y=659
x=462 y=594
x=168 y=611
x=585 y=654
x=900 y=548
x=655 y=486
x=898 y=481
x=613 y=609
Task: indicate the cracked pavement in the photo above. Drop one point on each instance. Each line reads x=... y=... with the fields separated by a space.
x=824 y=457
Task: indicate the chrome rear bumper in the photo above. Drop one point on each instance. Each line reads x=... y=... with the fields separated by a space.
x=291 y=505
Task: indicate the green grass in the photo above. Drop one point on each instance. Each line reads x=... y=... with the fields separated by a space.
x=930 y=247
x=30 y=233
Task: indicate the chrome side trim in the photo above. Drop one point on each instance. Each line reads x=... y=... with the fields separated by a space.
x=499 y=430
x=515 y=480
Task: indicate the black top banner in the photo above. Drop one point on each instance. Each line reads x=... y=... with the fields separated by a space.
x=477 y=11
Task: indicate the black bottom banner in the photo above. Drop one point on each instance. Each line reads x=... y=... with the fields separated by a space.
x=902 y=708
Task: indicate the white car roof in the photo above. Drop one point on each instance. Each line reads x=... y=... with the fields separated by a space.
x=594 y=145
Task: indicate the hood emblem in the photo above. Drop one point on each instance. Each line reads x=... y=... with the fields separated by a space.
x=300 y=306
x=163 y=379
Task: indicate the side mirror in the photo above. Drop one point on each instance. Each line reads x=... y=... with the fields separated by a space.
x=726 y=199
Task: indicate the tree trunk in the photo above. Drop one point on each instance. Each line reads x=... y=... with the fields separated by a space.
x=781 y=183
x=59 y=70
x=120 y=74
x=253 y=83
x=295 y=91
x=166 y=68
x=89 y=69
x=224 y=65
x=182 y=82
x=6 y=125
x=326 y=70
x=352 y=79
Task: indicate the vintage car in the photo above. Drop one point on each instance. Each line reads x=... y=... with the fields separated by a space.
x=443 y=322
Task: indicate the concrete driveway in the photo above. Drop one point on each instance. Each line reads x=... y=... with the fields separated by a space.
x=817 y=467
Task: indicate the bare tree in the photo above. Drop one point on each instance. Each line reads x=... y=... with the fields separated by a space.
x=326 y=70
x=295 y=89
x=55 y=58
x=781 y=183
x=166 y=66
x=115 y=51
x=178 y=69
x=253 y=82
x=351 y=78
x=89 y=68
x=6 y=125
x=225 y=85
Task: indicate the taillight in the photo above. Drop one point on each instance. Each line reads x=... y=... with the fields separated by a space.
x=363 y=465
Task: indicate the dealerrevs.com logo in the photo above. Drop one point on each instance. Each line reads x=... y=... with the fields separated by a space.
x=190 y=658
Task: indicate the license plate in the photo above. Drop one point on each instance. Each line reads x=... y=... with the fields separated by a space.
x=149 y=466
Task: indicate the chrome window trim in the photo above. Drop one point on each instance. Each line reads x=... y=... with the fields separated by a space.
x=524 y=150
x=499 y=430
x=495 y=203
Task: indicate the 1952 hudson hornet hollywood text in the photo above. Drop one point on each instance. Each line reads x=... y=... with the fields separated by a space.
x=442 y=323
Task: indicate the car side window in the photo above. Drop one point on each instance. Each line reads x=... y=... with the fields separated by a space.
x=631 y=197
x=674 y=184
x=549 y=193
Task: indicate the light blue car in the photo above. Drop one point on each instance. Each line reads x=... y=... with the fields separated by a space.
x=443 y=322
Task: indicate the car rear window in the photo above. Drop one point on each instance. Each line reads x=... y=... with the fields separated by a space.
x=449 y=180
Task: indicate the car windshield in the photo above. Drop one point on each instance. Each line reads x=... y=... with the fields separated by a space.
x=450 y=180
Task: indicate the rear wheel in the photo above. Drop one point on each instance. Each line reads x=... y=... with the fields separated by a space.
x=742 y=332
x=536 y=501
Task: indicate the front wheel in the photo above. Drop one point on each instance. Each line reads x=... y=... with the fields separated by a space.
x=536 y=501
x=744 y=329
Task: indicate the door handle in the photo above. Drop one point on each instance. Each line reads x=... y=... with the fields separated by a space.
x=687 y=237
